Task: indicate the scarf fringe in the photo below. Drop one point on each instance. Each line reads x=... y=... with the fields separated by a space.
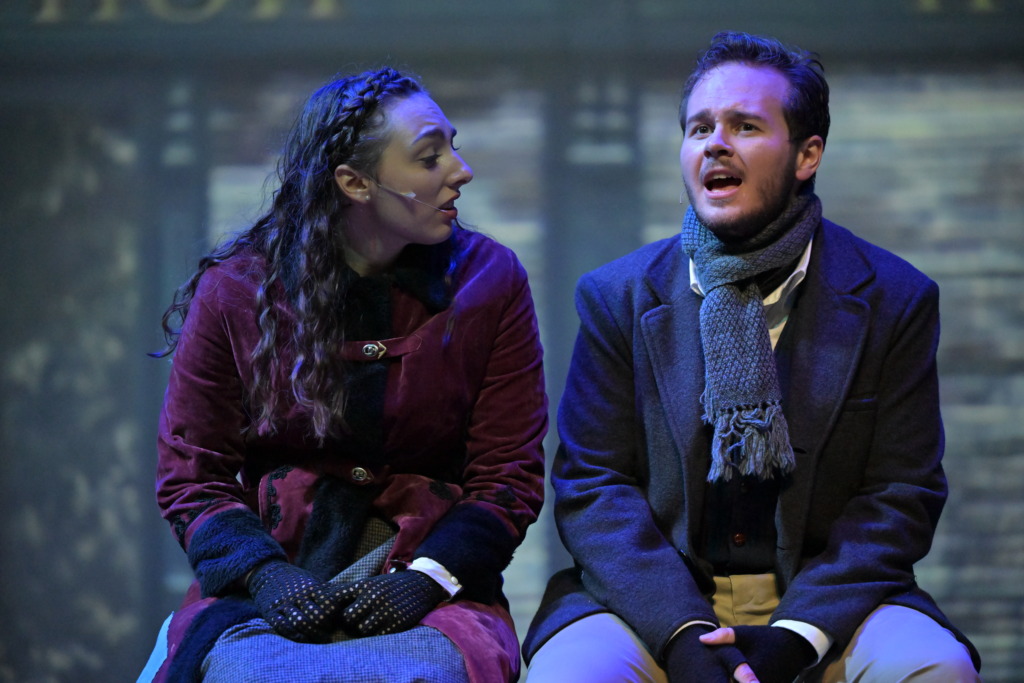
x=750 y=441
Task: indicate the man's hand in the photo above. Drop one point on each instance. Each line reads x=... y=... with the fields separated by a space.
x=775 y=654
x=689 y=659
x=295 y=603
x=390 y=603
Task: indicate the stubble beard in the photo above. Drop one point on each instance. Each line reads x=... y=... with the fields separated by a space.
x=774 y=200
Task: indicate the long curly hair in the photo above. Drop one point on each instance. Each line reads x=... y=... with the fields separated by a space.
x=300 y=237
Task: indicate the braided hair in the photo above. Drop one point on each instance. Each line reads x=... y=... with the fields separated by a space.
x=341 y=123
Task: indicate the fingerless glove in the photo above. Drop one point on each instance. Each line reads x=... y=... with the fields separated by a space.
x=776 y=654
x=687 y=660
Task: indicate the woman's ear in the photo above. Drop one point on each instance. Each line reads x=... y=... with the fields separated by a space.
x=355 y=185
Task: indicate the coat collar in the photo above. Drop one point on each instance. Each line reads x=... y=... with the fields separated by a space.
x=824 y=337
x=817 y=359
x=836 y=263
x=668 y=275
x=671 y=333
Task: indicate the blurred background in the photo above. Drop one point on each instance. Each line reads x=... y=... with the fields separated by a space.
x=136 y=132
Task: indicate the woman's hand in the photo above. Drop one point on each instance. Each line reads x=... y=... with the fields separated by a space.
x=295 y=603
x=390 y=603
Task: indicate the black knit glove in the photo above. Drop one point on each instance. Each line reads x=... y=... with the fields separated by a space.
x=776 y=654
x=295 y=603
x=390 y=603
x=687 y=660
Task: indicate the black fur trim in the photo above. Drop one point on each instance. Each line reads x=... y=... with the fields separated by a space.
x=367 y=312
x=334 y=527
x=226 y=547
x=421 y=271
x=365 y=384
x=203 y=632
x=475 y=547
x=367 y=315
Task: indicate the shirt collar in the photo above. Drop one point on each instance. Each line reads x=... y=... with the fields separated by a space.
x=780 y=294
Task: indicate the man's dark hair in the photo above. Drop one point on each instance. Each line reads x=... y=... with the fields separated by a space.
x=806 y=108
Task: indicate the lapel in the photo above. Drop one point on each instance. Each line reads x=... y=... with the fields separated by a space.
x=671 y=334
x=817 y=359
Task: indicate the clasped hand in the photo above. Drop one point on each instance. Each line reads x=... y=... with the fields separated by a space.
x=389 y=603
x=745 y=654
x=301 y=607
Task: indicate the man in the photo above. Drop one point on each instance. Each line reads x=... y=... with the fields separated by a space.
x=751 y=441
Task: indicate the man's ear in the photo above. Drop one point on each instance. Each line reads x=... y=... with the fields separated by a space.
x=356 y=186
x=808 y=157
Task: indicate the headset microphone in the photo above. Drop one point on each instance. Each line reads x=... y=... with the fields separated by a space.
x=407 y=195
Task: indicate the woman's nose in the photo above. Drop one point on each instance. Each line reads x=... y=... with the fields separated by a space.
x=462 y=173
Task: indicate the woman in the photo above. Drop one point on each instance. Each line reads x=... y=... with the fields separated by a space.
x=350 y=443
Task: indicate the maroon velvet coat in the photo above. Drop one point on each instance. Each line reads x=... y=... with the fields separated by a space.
x=466 y=414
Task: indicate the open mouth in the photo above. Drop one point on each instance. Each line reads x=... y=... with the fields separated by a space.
x=717 y=182
x=450 y=204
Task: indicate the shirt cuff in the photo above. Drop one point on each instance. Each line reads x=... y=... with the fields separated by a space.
x=438 y=573
x=819 y=640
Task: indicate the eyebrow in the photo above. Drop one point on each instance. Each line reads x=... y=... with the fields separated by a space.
x=730 y=114
x=435 y=132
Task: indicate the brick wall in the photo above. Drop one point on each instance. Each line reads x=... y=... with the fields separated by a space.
x=927 y=164
x=931 y=166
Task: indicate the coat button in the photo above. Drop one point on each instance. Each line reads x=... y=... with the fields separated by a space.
x=370 y=350
x=359 y=474
x=739 y=539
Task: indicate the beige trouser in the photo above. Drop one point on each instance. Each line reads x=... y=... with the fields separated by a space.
x=892 y=644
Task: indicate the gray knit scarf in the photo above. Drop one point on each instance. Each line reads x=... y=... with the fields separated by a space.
x=742 y=398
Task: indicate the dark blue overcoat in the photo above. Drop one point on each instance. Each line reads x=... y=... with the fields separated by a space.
x=857 y=365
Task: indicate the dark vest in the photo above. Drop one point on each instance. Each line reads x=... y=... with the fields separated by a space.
x=738 y=526
x=737 y=531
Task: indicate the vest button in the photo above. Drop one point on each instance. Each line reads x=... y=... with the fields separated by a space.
x=739 y=539
x=359 y=474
